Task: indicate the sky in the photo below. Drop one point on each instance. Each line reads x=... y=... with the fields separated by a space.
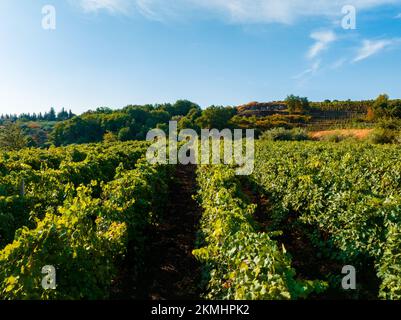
x=111 y=53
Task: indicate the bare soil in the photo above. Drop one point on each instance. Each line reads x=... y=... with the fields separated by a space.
x=170 y=270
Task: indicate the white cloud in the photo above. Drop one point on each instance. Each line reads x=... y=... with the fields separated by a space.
x=310 y=71
x=239 y=11
x=398 y=16
x=113 y=6
x=372 y=47
x=283 y=11
x=323 y=39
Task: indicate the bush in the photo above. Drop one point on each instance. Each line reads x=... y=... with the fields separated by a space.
x=398 y=138
x=124 y=134
x=336 y=137
x=333 y=138
x=382 y=136
x=110 y=137
x=389 y=124
x=282 y=134
x=12 y=137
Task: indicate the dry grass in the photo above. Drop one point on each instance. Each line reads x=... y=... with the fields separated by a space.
x=356 y=133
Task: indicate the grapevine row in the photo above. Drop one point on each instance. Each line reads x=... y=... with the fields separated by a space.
x=240 y=262
x=29 y=189
x=349 y=194
x=85 y=238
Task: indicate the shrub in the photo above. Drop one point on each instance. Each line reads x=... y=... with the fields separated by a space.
x=332 y=138
x=389 y=123
x=336 y=137
x=398 y=138
x=299 y=134
x=110 y=137
x=382 y=136
x=12 y=137
x=282 y=134
x=124 y=134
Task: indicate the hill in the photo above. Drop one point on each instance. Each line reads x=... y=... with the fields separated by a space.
x=134 y=121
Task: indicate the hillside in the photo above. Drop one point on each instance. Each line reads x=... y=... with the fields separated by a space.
x=133 y=122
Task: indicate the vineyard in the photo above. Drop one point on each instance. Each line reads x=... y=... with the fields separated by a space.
x=76 y=209
x=344 y=202
x=114 y=226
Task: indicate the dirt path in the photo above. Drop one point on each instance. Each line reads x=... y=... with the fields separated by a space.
x=170 y=270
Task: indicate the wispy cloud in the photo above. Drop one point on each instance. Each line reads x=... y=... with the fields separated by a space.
x=323 y=39
x=284 y=11
x=398 y=16
x=310 y=71
x=237 y=11
x=322 y=42
x=113 y=6
x=372 y=47
x=338 y=64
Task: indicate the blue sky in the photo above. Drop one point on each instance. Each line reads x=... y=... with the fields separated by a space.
x=118 y=52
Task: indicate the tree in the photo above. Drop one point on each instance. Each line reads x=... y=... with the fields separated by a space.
x=189 y=121
x=297 y=104
x=370 y=116
x=381 y=101
x=109 y=137
x=78 y=130
x=216 y=118
x=106 y=110
x=180 y=108
x=304 y=105
x=62 y=115
x=52 y=115
x=380 y=106
x=12 y=137
x=124 y=134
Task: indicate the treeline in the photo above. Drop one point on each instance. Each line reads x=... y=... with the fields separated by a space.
x=381 y=107
x=294 y=104
x=47 y=116
x=17 y=135
x=104 y=124
x=348 y=105
x=134 y=122
x=393 y=106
